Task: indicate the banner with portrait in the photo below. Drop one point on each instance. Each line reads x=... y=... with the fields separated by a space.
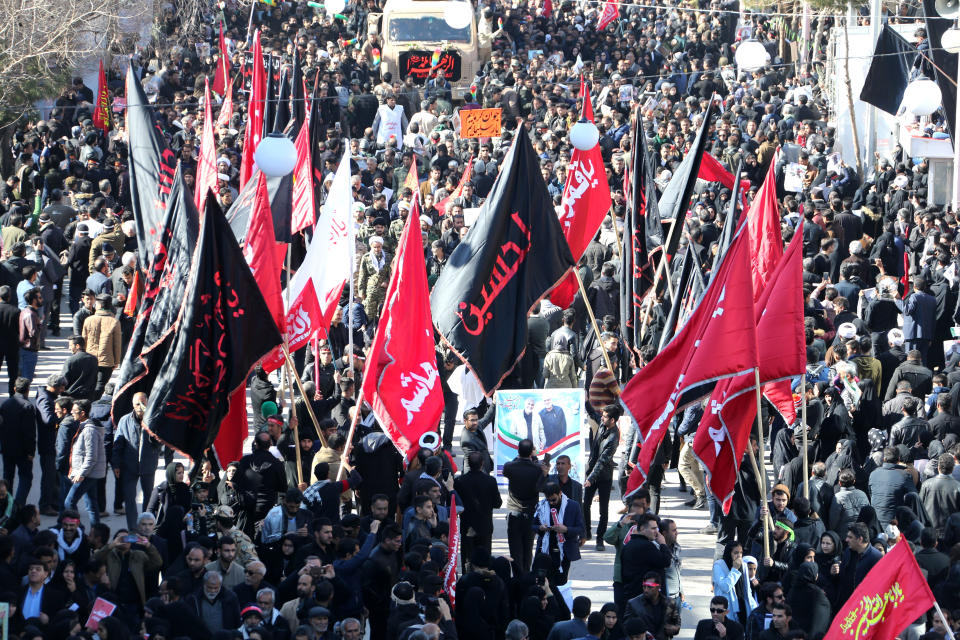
x=554 y=419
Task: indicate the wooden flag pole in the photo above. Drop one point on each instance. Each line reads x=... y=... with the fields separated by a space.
x=596 y=329
x=616 y=234
x=760 y=466
x=290 y=367
x=348 y=447
x=306 y=399
x=803 y=429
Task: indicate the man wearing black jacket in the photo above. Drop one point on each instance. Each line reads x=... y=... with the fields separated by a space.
x=603 y=446
x=479 y=496
x=9 y=335
x=79 y=260
x=260 y=479
x=80 y=370
x=46 y=443
x=522 y=474
x=646 y=551
x=19 y=438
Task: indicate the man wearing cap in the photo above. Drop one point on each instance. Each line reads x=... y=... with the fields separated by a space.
x=246 y=551
x=374 y=277
x=252 y=618
x=46 y=443
x=101 y=331
x=112 y=234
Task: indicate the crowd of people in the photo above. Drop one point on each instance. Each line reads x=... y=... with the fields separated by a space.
x=335 y=537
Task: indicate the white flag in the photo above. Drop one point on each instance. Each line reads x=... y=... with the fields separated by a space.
x=315 y=289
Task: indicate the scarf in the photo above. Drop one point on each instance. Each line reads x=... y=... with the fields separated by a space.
x=546 y=513
x=64 y=548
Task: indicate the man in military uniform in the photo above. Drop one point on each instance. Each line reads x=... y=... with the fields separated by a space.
x=246 y=551
x=374 y=276
x=112 y=234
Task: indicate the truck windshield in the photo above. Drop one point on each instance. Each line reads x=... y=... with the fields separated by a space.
x=425 y=28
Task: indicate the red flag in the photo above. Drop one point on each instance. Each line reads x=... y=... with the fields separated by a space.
x=207 y=164
x=453 y=546
x=712 y=171
x=401 y=381
x=263 y=253
x=893 y=594
x=412 y=180
x=133 y=296
x=586 y=201
x=718 y=341
x=728 y=419
x=303 y=205
x=228 y=444
x=547 y=8
x=464 y=179
x=610 y=12
x=221 y=79
x=258 y=90
x=101 y=112
x=763 y=223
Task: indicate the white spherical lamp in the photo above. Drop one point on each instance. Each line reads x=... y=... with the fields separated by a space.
x=950 y=40
x=584 y=135
x=751 y=55
x=458 y=14
x=275 y=155
x=335 y=6
x=922 y=97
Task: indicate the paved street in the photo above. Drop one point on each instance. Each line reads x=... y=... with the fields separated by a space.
x=591 y=575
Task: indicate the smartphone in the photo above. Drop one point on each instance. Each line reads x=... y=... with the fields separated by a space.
x=131 y=538
x=825 y=275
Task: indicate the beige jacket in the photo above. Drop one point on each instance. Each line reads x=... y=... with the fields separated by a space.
x=102 y=334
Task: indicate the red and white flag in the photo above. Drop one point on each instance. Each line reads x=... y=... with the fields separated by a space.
x=207 y=163
x=464 y=179
x=728 y=418
x=453 y=546
x=226 y=109
x=258 y=91
x=401 y=381
x=586 y=201
x=610 y=12
x=412 y=180
x=303 y=204
x=718 y=341
x=101 y=110
x=315 y=287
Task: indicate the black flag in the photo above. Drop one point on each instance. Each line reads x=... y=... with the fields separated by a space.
x=512 y=256
x=889 y=71
x=298 y=107
x=166 y=283
x=643 y=238
x=224 y=328
x=676 y=197
x=945 y=71
x=730 y=222
x=151 y=168
x=281 y=204
x=282 y=115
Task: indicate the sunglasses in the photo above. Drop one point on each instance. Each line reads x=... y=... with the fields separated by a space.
x=712 y=610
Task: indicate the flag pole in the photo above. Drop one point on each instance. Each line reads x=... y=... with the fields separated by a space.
x=616 y=235
x=803 y=429
x=348 y=447
x=761 y=468
x=290 y=367
x=313 y=416
x=593 y=321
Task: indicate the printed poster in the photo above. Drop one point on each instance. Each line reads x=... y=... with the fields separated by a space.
x=553 y=418
x=101 y=609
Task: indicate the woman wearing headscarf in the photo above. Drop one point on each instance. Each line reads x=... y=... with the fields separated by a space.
x=730 y=581
x=842 y=458
x=802 y=552
x=538 y=612
x=811 y=607
x=836 y=424
x=173 y=492
x=868 y=516
x=471 y=624
x=784 y=450
x=828 y=557
x=612 y=627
